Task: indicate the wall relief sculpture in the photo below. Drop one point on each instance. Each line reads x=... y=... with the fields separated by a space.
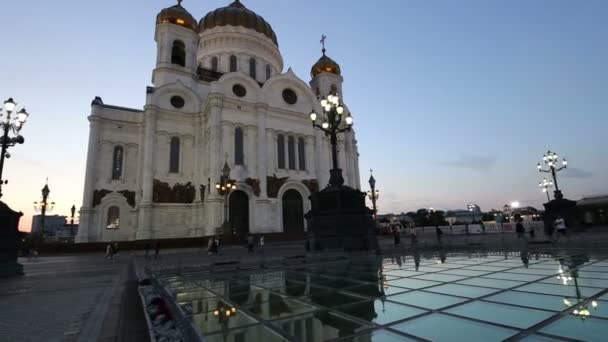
x=312 y=185
x=179 y=193
x=273 y=184
x=98 y=195
x=130 y=196
x=254 y=183
x=202 y=191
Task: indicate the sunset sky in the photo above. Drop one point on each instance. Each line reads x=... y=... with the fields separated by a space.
x=454 y=101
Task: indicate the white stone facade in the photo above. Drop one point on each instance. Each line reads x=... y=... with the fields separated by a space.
x=129 y=151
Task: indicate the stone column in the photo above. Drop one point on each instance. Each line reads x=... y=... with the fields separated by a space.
x=144 y=230
x=85 y=227
x=213 y=209
x=263 y=152
x=196 y=168
x=309 y=147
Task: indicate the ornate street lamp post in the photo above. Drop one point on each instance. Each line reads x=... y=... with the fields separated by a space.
x=44 y=206
x=551 y=160
x=333 y=111
x=373 y=193
x=545 y=185
x=224 y=187
x=11 y=123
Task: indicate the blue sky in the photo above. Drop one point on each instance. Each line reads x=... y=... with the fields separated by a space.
x=454 y=101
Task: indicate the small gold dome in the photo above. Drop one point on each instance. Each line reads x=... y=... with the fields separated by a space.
x=177 y=15
x=236 y=14
x=325 y=64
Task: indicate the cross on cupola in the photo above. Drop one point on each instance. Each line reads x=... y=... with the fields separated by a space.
x=323 y=37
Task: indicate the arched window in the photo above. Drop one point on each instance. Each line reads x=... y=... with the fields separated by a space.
x=113 y=221
x=233 y=64
x=117 y=158
x=214 y=63
x=252 y=69
x=174 y=155
x=268 y=71
x=238 y=146
x=302 y=153
x=178 y=53
x=281 y=151
x=291 y=151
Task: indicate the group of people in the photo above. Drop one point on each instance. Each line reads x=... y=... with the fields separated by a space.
x=411 y=233
x=251 y=244
x=111 y=250
x=213 y=246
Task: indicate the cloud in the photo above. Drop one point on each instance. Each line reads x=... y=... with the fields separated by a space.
x=475 y=163
x=573 y=172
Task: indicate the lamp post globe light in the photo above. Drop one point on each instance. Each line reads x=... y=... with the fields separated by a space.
x=44 y=206
x=224 y=187
x=11 y=122
x=551 y=160
x=373 y=193
x=333 y=121
x=545 y=185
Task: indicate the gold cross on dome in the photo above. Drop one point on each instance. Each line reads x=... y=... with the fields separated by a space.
x=323 y=37
x=371 y=171
x=179 y=2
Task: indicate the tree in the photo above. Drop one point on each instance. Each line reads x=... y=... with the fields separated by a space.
x=437 y=218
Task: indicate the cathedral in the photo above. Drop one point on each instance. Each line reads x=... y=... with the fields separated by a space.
x=219 y=97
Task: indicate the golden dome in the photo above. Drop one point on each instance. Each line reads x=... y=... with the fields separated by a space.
x=325 y=64
x=236 y=14
x=177 y=15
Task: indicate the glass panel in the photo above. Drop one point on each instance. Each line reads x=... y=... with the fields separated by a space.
x=540 y=301
x=570 y=326
x=402 y=273
x=380 y=311
x=439 y=277
x=426 y=300
x=468 y=273
x=372 y=290
x=256 y=332
x=378 y=336
x=208 y=323
x=462 y=290
x=599 y=283
x=325 y=326
x=501 y=314
x=598 y=275
x=413 y=283
x=514 y=276
x=331 y=299
x=438 y=327
x=538 y=338
x=559 y=290
x=495 y=283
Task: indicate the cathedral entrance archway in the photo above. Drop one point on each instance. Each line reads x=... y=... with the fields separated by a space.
x=238 y=208
x=293 y=212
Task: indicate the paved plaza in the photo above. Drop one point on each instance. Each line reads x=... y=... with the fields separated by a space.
x=70 y=298
x=87 y=298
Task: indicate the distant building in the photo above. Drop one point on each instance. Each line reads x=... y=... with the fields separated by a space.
x=594 y=209
x=463 y=216
x=52 y=223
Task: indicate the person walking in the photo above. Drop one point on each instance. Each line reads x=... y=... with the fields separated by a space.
x=413 y=237
x=396 y=237
x=210 y=245
x=520 y=230
x=147 y=249
x=562 y=229
x=250 y=244
x=109 y=252
x=157 y=250
x=439 y=233
x=261 y=244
